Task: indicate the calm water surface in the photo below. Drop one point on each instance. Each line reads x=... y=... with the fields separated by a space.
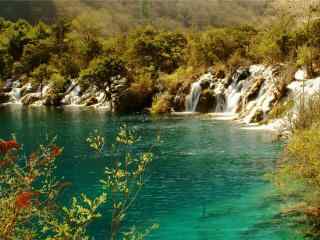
x=206 y=181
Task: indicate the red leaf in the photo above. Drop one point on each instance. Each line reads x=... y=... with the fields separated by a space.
x=23 y=200
x=6 y=146
x=56 y=151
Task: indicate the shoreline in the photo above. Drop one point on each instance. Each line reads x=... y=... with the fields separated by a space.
x=274 y=126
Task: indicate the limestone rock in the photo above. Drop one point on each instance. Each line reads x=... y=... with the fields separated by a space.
x=53 y=99
x=91 y=101
x=258 y=116
x=30 y=98
x=207 y=102
x=4 y=98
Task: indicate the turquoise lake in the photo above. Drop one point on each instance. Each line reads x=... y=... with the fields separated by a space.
x=206 y=181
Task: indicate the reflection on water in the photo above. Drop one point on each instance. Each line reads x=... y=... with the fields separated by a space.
x=206 y=182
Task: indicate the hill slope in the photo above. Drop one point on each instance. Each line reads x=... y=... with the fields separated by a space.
x=124 y=13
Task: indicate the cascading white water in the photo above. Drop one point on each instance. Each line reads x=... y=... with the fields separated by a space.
x=72 y=96
x=221 y=103
x=192 y=99
x=15 y=95
x=233 y=97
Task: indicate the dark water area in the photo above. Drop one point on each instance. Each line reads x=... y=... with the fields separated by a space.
x=206 y=181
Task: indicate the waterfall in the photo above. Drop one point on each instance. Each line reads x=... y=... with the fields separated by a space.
x=233 y=93
x=72 y=96
x=15 y=95
x=221 y=103
x=233 y=97
x=193 y=98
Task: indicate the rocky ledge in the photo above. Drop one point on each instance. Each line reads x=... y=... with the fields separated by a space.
x=250 y=93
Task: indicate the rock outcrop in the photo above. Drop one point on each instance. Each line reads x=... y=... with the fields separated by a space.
x=248 y=92
x=30 y=98
x=4 y=97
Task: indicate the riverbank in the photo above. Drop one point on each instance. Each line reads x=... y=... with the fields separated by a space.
x=256 y=96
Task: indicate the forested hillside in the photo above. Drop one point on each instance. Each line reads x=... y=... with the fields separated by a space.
x=122 y=15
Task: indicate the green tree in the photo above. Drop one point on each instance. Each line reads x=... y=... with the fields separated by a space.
x=275 y=43
x=41 y=75
x=6 y=63
x=102 y=71
x=36 y=53
x=156 y=50
x=17 y=38
x=218 y=45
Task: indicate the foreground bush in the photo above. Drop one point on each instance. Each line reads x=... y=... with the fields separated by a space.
x=298 y=178
x=29 y=190
x=162 y=104
x=308 y=114
x=298 y=172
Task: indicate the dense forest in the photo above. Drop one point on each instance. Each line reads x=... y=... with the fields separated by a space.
x=123 y=15
x=154 y=60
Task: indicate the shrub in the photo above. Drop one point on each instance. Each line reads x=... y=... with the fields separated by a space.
x=156 y=50
x=17 y=38
x=161 y=104
x=266 y=49
x=6 y=64
x=306 y=57
x=42 y=75
x=276 y=42
x=35 y=54
x=139 y=94
x=143 y=84
x=103 y=70
x=281 y=109
x=182 y=77
x=58 y=83
x=67 y=65
x=30 y=189
x=284 y=77
x=219 y=44
x=298 y=178
x=307 y=115
x=237 y=60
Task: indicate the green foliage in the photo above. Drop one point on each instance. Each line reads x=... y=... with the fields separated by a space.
x=156 y=50
x=219 y=44
x=281 y=109
x=306 y=57
x=76 y=218
x=298 y=178
x=96 y=141
x=35 y=54
x=298 y=172
x=17 y=37
x=161 y=104
x=141 y=91
x=67 y=64
x=82 y=49
x=181 y=77
x=308 y=114
x=6 y=64
x=40 y=31
x=124 y=179
x=275 y=43
x=103 y=70
x=58 y=83
x=42 y=74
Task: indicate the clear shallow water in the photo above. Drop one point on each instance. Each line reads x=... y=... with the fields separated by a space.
x=206 y=182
